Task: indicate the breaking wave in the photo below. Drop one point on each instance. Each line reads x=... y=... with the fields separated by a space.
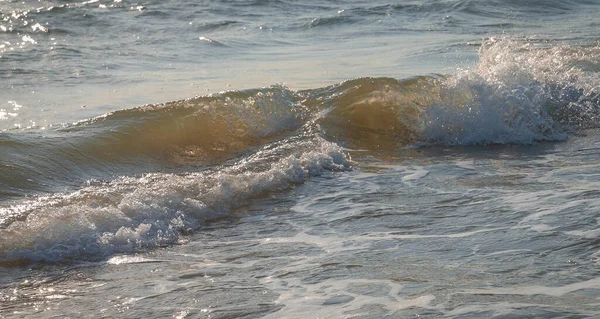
x=145 y=177
x=522 y=91
x=132 y=214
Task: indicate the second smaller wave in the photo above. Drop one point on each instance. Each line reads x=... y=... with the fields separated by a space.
x=135 y=214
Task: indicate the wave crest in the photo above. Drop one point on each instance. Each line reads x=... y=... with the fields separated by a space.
x=522 y=91
x=199 y=129
x=134 y=214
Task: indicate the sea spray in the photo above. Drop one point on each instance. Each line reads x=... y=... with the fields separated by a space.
x=135 y=214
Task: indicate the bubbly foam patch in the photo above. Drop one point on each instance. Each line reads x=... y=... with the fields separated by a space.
x=331 y=298
x=520 y=92
x=558 y=291
x=134 y=214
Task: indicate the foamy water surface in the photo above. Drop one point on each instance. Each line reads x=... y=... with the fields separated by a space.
x=246 y=159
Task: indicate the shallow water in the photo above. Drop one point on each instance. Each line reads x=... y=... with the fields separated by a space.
x=469 y=232
x=299 y=159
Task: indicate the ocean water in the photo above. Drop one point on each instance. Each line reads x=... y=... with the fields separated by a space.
x=299 y=159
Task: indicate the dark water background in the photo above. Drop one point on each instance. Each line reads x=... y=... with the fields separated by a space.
x=299 y=159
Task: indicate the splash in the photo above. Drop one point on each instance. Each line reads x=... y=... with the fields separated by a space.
x=521 y=92
x=134 y=214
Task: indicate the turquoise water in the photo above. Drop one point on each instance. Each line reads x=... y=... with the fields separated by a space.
x=305 y=159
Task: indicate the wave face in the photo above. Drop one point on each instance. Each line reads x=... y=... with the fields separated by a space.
x=522 y=91
x=145 y=177
x=195 y=131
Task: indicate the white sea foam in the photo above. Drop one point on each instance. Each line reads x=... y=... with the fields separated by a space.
x=498 y=308
x=119 y=260
x=518 y=93
x=415 y=175
x=337 y=299
x=589 y=234
x=133 y=214
x=540 y=228
x=538 y=290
